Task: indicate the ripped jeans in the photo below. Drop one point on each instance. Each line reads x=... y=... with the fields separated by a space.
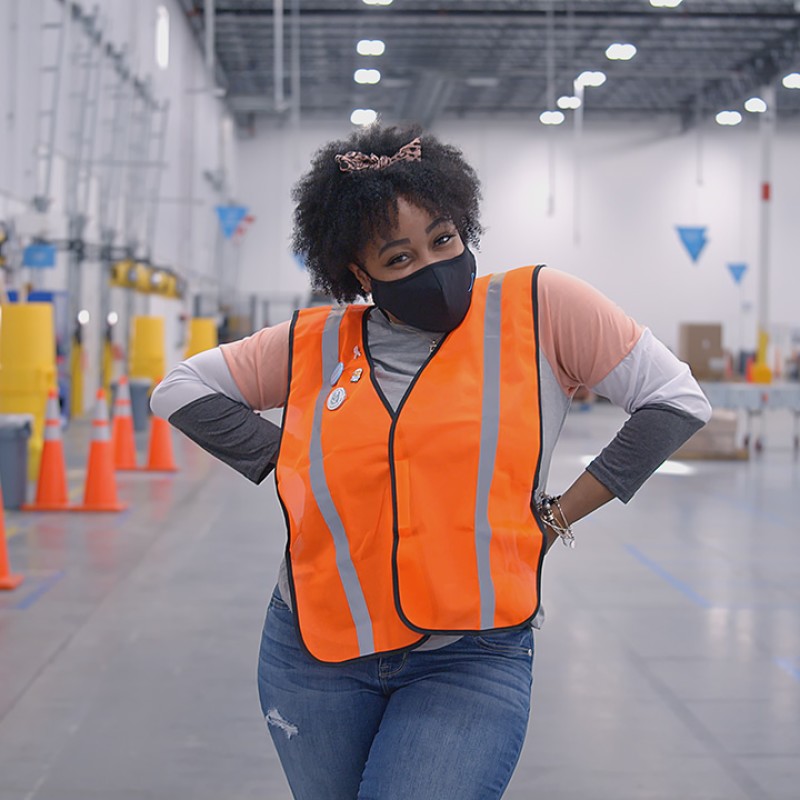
x=430 y=725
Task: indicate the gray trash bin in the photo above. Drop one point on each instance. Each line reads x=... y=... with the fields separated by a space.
x=140 y=402
x=15 y=431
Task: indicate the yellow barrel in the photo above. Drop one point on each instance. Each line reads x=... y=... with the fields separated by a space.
x=202 y=336
x=147 y=348
x=27 y=367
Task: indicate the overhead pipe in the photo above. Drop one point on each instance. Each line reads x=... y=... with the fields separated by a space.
x=761 y=370
x=277 y=47
x=551 y=104
x=295 y=62
x=579 y=92
x=210 y=31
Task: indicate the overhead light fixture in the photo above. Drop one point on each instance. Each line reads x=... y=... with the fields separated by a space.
x=568 y=101
x=755 y=105
x=551 y=117
x=370 y=47
x=728 y=118
x=83 y=317
x=162 y=37
x=377 y=2
x=112 y=318
x=620 y=52
x=363 y=116
x=792 y=80
x=367 y=76
x=482 y=82
x=591 y=78
x=660 y=3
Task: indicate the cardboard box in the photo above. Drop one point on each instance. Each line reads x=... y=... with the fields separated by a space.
x=718 y=439
x=700 y=346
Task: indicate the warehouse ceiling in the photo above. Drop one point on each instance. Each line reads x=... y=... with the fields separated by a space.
x=500 y=58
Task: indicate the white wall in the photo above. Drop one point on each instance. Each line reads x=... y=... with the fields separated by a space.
x=199 y=139
x=638 y=182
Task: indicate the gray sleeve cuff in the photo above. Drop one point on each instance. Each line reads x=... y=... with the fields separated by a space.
x=231 y=432
x=648 y=438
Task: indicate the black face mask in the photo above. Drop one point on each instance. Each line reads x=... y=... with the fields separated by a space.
x=435 y=298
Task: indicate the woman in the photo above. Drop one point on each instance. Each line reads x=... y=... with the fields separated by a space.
x=416 y=441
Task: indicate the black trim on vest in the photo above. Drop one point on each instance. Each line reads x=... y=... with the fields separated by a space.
x=365 y=341
x=395 y=529
x=543 y=553
x=287 y=552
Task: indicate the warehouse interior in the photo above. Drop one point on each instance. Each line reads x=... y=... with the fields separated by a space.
x=148 y=150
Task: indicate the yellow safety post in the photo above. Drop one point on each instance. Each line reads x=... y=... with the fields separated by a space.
x=147 y=358
x=760 y=371
x=202 y=336
x=27 y=367
x=76 y=379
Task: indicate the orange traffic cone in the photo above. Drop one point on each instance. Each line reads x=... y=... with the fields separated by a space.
x=8 y=580
x=51 y=490
x=100 y=493
x=159 y=453
x=122 y=441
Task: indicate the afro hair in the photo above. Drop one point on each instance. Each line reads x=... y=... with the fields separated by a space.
x=337 y=213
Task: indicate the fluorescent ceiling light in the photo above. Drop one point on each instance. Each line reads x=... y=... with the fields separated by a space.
x=367 y=76
x=657 y=3
x=482 y=82
x=363 y=116
x=755 y=105
x=591 y=78
x=377 y=2
x=162 y=37
x=729 y=118
x=620 y=52
x=568 y=101
x=792 y=80
x=370 y=47
x=551 y=117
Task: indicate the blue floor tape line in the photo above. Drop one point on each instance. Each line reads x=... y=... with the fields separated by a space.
x=45 y=586
x=685 y=590
x=788 y=667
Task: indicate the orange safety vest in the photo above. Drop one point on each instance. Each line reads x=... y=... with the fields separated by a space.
x=407 y=523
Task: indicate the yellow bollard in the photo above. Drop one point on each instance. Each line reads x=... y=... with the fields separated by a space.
x=147 y=358
x=76 y=380
x=27 y=367
x=760 y=372
x=202 y=336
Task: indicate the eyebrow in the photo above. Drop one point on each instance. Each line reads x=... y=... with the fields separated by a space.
x=438 y=221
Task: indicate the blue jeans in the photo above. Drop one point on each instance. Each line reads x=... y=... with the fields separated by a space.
x=446 y=723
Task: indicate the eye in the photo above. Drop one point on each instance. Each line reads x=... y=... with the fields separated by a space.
x=444 y=239
x=400 y=258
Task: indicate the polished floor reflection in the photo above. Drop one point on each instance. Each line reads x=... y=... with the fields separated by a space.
x=669 y=665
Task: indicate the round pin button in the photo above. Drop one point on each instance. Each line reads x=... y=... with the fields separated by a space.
x=337 y=373
x=336 y=398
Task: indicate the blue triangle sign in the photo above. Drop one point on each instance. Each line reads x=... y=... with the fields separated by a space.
x=229 y=218
x=694 y=240
x=737 y=271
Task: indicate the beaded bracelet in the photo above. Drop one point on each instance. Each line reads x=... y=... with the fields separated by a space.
x=548 y=517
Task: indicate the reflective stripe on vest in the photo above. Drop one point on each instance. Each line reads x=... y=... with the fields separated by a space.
x=490 y=420
x=416 y=520
x=322 y=495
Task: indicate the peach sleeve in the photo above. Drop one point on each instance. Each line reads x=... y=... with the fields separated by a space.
x=583 y=335
x=259 y=365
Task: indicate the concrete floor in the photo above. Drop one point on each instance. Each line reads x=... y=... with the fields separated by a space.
x=669 y=666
